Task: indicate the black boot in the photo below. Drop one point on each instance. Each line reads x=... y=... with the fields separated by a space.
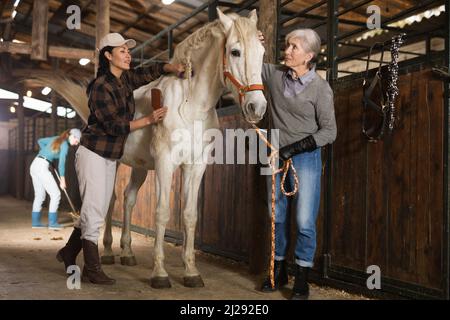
x=69 y=253
x=300 y=291
x=92 y=271
x=280 y=277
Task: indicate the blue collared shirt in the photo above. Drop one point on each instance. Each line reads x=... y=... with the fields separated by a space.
x=293 y=86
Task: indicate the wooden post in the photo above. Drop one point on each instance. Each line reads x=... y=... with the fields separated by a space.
x=20 y=158
x=268 y=24
x=102 y=23
x=260 y=230
x=39 y=30
x=54 y=99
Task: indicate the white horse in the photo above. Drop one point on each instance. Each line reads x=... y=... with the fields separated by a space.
x=225 y=55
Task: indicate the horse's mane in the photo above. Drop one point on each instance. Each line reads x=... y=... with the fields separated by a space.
x=202 y=37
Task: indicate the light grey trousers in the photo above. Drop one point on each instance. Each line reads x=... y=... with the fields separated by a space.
x=96 y=177
x=43 y=182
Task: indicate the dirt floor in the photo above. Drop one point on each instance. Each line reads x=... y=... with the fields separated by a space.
x=29 y=270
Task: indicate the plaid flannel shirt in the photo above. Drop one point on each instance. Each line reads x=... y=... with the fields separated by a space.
x=111 y=105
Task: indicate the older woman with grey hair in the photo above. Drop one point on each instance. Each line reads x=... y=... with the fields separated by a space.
x=302 y=109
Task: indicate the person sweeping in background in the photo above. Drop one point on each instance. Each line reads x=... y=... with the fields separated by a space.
x=50 y=149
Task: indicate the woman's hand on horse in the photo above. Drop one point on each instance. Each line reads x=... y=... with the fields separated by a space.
x=260 y=36
x=174 y=68
x=157 y=115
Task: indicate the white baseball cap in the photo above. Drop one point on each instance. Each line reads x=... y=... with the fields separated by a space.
x=76 y=133
x=115 y=40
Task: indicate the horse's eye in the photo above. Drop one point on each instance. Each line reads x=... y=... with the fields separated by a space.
x=235 y=53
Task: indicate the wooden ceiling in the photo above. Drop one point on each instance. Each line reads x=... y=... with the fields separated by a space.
x=142 y=19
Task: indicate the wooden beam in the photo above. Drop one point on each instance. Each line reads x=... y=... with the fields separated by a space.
x=53 y=51
x=102 y=24
x=20 y=155
x=268 y=22
x=39 y=30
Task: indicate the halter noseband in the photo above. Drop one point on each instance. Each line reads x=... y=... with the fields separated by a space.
x=241 y=88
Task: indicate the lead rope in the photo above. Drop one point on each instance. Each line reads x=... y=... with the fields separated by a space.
x=285 y=169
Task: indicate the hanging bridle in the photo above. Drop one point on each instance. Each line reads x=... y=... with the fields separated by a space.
x=242 y=90
x=386 y=105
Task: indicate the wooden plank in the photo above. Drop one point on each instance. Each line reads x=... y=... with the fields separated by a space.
x=53 y=51
x=401 y=219
x=268 y=12
x=101 y=23
x=39 y=30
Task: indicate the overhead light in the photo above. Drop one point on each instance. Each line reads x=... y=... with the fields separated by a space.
x=14 y=14
x=46 y=91
x=16 y=3
x=84 y=61
x=167 y=2
x=12 y=109
x=1 y=39
x=29 y=93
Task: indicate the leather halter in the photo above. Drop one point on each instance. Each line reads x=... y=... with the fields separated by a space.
x=374 y=133
x=240 y=87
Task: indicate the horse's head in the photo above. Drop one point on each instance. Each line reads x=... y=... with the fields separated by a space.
x=243 y=59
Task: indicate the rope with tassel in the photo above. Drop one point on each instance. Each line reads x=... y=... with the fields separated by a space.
x=285 y=169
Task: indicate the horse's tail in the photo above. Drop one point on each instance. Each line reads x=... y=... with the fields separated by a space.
x=73 y=92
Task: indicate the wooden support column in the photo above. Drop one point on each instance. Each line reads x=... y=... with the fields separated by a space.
x=259 y=251
x=54 y=99
x=39 y=30
x=268 y=24
x=20 y=156
x=102 y=24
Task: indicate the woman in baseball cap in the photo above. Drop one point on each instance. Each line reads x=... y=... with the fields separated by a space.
x=111 y=119
x=50 y=149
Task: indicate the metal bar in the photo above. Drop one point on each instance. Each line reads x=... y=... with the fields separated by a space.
x=392 y=19
x=245 y=6
x=286 y=3
x=408 y=38
x=303 y=12
x=212 y=10
x=332 y=31
x=170 y=43
x=356 y=6
x=171 y=27
x=446 y=220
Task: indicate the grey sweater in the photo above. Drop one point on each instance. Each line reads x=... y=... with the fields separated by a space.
x=310 y=112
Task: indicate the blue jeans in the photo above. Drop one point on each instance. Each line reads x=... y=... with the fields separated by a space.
x=305 y=204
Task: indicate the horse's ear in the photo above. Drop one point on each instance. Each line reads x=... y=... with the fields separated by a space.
x=253 y=16
x=226 y=21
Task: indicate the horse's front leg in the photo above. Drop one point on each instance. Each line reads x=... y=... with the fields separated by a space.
x=164 y=172
x=138 y=176
x=192 y=177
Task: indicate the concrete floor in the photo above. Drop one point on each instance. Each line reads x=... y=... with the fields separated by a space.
x=29 y=270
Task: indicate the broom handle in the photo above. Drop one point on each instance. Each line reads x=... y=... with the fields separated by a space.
x=65 y=191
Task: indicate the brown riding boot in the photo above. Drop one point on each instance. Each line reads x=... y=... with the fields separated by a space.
x=92 y=271
x=69 y=253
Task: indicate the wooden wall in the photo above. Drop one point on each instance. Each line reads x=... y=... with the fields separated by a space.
x=388 y=196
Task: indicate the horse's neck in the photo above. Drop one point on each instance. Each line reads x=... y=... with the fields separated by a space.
x=207 y=86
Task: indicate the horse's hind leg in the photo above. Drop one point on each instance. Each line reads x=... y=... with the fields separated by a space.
x=164 y=172
x=192 y=177
x=127 y=257
x=108 y=255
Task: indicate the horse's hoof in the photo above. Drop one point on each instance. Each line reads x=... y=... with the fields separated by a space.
x=107 y=259
x=128 y=261
x=193 y=282
x=160 y=283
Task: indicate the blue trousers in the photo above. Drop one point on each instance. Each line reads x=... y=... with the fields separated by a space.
x=305 y=206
